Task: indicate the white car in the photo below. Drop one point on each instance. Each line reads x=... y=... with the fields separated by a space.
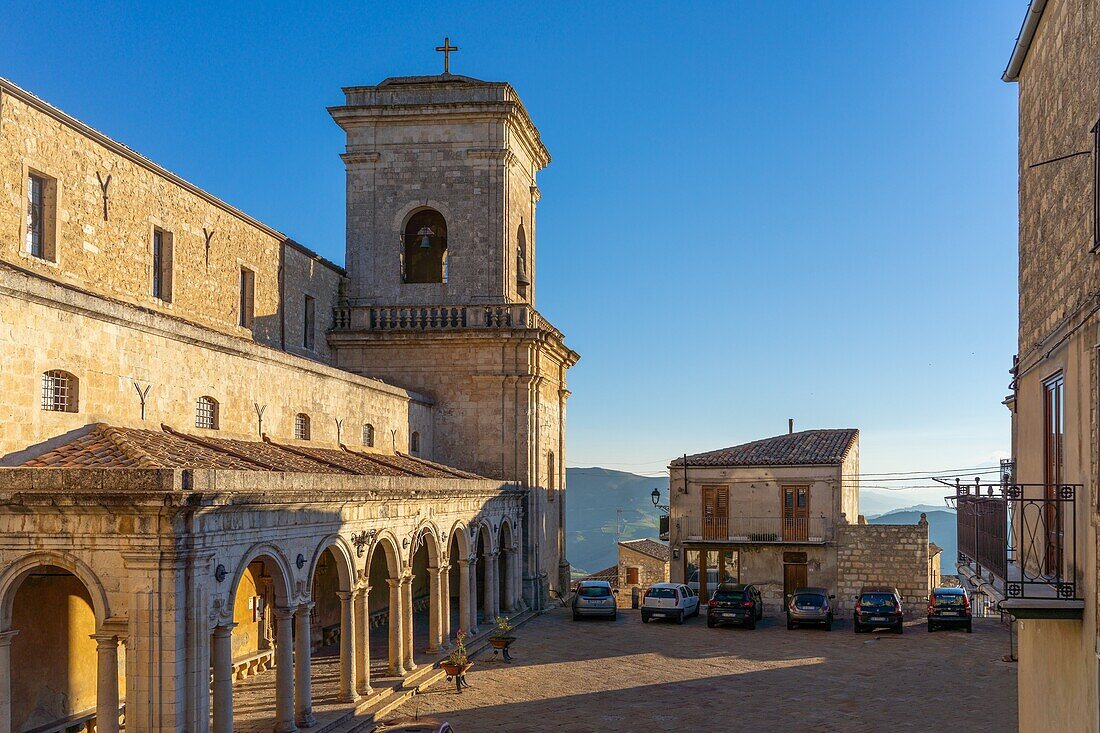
x=673 y=601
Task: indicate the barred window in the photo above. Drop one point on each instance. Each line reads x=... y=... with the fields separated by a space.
x=301 y=426
x=414 y=443
x=368 y=435
x=206 y=413
x=59 y=391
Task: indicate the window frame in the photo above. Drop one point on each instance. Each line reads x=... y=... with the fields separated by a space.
x=414 y=442
x=207 y=413
x=46 y=250
x=55 y=381
x=368 y=435
x=302 y=427
x=162 y=264
x=246 y=305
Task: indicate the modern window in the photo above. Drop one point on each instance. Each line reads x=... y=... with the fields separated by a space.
x=522 y=279
x=162 y=265
x=414 y=442
x=247 y=307
x=301 y=426
x=368 y=435
x=309 y=322
x=59 y=391
x=206 y=413
x=424 y=254
x=41 y=210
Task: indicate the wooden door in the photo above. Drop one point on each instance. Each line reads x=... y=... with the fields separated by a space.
x=716 y=512
x=796 y=513
x=794 y=577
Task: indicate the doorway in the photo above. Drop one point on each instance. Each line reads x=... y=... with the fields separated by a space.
x=794 y=577
x=796 y=513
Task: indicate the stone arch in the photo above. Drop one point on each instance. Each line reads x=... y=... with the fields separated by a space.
x=15 y=573
x=459 y=536
x=424 y=238
x=284 y=591
x=430 y=533
x=505 y=529
x=486 y=526
x=394 y=561
x=345 y=562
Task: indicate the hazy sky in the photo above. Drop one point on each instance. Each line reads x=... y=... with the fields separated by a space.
x=755 y=211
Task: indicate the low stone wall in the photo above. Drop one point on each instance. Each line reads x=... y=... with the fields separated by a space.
x=894 y=555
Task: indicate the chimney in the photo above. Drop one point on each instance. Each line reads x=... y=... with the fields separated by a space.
x=790 y=426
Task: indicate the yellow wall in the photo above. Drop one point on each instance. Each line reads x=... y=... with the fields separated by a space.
x=247 y=633
x=1056 y=693
x=53 y=658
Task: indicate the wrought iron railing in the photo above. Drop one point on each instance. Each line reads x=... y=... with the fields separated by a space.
x=812 y=530
x=1022 y=535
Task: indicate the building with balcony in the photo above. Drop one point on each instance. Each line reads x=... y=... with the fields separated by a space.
x=1028 y=542
x=783 y=512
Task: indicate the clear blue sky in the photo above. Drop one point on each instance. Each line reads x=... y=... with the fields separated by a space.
x=755 y=211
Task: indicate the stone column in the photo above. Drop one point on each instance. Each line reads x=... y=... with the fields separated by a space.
x=362 y=647
x=223 y=678
x=509 y=580
x=5 y=678
x=489 y=603
x=445 y=607
x=435 y=607
x=397 y=667
x=284 y=671
x=407 y=639
x=464 y=595
x=472 y=585
x=303 y=669
x=106 y=708
x=347 y=691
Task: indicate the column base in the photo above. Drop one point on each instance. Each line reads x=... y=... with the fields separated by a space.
x=411 y=667
x=285 y=728
x=350 y=697
x=397 y=672
x=431 y=649
x=308 y=721
x=365 y=692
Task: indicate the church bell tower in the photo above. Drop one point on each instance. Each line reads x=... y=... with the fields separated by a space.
x=441 y=251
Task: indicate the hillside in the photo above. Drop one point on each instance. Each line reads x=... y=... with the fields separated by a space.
x=594 y=495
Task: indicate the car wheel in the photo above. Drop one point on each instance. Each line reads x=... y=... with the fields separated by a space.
x=931 y=628
x=857 y=628
x=829 y=624
x=645 y=619
x=710 y=623
x=680 y=617
x=969 y=628
x=576 y=617
x=899 y=628
x=751 y=624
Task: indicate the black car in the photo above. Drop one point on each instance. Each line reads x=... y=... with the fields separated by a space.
x=949 y=607
x=877 y=608
x=735 y=603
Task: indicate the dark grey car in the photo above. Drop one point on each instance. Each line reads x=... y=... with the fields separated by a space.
x=810 y=606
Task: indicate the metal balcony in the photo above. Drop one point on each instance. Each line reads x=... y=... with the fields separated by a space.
x=1017 y=543
x=752 y=530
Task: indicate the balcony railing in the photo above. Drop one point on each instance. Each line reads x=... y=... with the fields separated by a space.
x=1019 y=540
x=802 y=530
x=437 y=317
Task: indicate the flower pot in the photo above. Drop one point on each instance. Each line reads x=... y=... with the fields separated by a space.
x=501 y=642
x=454 y=670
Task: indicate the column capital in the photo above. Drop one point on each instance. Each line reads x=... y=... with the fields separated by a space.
x=306 y=606
x=362 y=590
x=283 y=613
x=224 y=629
x=345 y=596
x=105 y=640
x=393 y=582
x=436 y=569
x=7 y=636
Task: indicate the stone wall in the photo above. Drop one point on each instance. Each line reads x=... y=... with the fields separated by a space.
x=883 y=554
x=111 y=347
x=650 y=570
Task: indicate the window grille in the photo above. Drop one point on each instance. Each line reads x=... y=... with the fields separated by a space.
x=206 y=413
x=36 y=215
x=301 y=426
x=58 y=392
x=368 y=435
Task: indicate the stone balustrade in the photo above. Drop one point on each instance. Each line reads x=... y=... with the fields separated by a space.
x=437 y=317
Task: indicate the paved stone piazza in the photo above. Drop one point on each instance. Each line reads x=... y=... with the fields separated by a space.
x=596 y=675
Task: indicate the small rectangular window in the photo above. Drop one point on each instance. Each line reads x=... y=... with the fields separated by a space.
x=41 y=215
x=162 y=265
x=248 y=297
x=308 y=322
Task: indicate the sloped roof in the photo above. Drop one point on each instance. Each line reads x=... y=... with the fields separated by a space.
x=653 y=548
x=611 y=575
x=107 y=446
x=934 y=549
x=805 y=448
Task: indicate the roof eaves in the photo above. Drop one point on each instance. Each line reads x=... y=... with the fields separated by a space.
x=1023 y=40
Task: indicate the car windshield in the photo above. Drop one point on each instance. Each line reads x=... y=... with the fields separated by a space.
x=593 y=591
x=661 y=593
x=878 y=600
x=811 y=600
x=731 y=595
x=949 y=599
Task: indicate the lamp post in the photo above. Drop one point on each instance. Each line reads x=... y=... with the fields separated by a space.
x=656 y=497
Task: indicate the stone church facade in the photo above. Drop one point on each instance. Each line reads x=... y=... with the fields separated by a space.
x=224 y=454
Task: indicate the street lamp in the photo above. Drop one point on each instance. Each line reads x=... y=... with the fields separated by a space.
x=656 y=496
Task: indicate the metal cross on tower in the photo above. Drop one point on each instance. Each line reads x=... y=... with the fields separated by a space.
x=446 y=49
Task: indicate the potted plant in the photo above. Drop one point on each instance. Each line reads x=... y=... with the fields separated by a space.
x=502 y=637
x=458 y=661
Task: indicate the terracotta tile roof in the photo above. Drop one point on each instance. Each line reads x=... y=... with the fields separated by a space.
x=611 y=575
x=934 y=549
x=806 y=448
x=106 y=446
x=653 y=548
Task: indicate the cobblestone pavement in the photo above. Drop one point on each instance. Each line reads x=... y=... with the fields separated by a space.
x=596 y=675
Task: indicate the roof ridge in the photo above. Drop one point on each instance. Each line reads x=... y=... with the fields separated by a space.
x=303 y=454
x=219 y=449
x=129 y=449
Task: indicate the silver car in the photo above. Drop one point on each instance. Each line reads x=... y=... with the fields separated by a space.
x=810 y=606
x=594 y=598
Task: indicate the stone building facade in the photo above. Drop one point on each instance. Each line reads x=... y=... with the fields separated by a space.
x=222 y=453
x=782 y=513
x=641 y=563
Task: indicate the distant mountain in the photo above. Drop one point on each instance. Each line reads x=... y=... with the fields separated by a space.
x=918 y=508
x=594 y=496
x=941 y=529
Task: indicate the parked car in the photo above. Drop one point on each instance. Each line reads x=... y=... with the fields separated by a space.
x=810 y=606
x=594 y=598
x=669 y=600
x=735 y=603
x=878 y=607
x=712 y=579
x=949 y=607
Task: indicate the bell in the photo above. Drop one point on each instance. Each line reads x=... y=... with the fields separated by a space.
x=521 y=277
x=425 y=233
